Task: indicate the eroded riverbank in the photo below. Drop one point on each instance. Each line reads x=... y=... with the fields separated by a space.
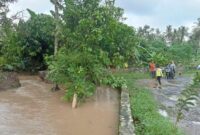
x=33 y=109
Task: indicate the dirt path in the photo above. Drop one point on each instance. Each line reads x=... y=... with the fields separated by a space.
x=33 y=110
x=167 y=98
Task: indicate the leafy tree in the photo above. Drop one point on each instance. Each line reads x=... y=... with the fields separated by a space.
x=56 y=15
x=5 y=27
x=58 y=6
x=4 y=9
x=10 y=50
x=26 y=43
x=36 y=37
x=93 y=39
x=147 y=32
x=195 y=37
x=183 y=33
x=169 y=34
x=179 y=53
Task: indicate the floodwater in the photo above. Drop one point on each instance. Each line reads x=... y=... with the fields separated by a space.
x=33 y=109
x=167 y=98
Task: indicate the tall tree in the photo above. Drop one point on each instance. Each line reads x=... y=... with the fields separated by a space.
x=27 y=43
x=4 y=9
x=195 y=36
x=182 y=33
x=57 y=7
x=94 y=39
x=5 y=22
x=169 y=34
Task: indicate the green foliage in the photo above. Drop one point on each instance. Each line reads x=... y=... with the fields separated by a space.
x=152 y=49
x=4 y=10
x=24 y=45
x=118 y=60
x=188 y=98
x=159 y=58
x=178 y=52
x=167 y=46
x=36 y=40
x=79 y=71
x=93 y=39
x=144 y=110
x=98 y=27
x=2 y=61
x=115 y=82
x=196 y=78
x=82 y=88
x=157 y=51
x=10 y=50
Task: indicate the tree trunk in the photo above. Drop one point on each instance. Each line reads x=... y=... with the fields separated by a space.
x=56 y=18
x=74 y=102
x=57 y=28
x=55 y=88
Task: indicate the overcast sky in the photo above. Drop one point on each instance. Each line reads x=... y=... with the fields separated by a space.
x=156 y=13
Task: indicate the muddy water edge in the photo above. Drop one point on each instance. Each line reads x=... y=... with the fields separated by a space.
x=33 y=109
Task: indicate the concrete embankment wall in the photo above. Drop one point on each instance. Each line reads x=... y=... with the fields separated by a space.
x=126 y=126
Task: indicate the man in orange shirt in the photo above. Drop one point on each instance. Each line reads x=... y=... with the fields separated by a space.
x=152 y=69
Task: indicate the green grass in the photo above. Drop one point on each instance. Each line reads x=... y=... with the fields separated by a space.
x=189 y=72
x=147 y=120
x=130 y=76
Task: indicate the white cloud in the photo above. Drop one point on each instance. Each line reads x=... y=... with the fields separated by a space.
x=156 y=13
x=136 y=20
x=160 y=13
x=38 y=6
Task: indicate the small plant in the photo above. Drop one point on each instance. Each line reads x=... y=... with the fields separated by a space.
x=81 y=88
x=115 y=82
x=118 y=60
x=197 y=78
x=187 y=99
x=2 y=61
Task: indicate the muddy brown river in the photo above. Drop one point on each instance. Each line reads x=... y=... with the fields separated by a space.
x=33 y=109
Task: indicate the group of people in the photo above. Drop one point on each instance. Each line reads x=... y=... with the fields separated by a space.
x=170 y=70
x=157 y=72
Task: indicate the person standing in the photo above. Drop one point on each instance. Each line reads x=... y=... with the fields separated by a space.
x=167 y=71
x=159 y=75
x=173 y=69
x=152 y=69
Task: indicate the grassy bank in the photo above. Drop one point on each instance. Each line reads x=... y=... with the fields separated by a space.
x=147 y=120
